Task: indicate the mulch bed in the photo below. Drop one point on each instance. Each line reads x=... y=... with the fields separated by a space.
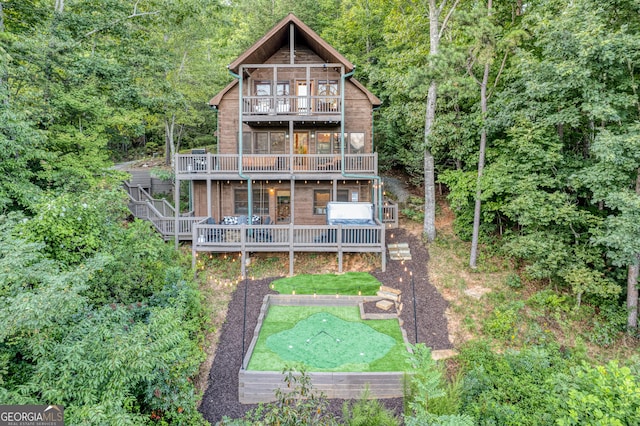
x=221 y=397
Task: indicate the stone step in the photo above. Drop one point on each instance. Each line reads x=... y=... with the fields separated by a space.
x=385 y=305
x=390 y=289
x=399 y=251
x=390 y=296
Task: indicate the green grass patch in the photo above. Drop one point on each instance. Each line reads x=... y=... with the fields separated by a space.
x=288 y=326
x=351 y=284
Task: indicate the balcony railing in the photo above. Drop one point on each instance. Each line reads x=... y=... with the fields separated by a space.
x=291 y=105
x=276 y=238
x=194 y=165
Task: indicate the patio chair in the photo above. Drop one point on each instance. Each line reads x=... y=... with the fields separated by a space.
x=214 y=235
x=264 y=235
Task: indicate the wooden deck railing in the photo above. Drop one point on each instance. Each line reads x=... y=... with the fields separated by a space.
x=198 y=164
x=291 y=105
x=160 y=213
x=274 y=238
x=390 y=214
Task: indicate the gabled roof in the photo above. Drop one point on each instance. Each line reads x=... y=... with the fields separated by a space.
x=278 y=36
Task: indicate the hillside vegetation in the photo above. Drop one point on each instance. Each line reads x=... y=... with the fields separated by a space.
x=529 y=112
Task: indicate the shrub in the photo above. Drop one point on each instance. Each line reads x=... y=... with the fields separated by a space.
x=73 y=226
x=297 y=404
x=510 y=388
x=428 y=393
x=501 y=324
x=608 y=325
x=368 y=412
x=134 y=268
x=604 y=395
x=513 y=281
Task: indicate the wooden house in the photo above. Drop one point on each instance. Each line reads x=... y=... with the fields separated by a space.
x=295 y=132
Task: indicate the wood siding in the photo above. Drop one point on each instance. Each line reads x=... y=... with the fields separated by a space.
x=222 y=198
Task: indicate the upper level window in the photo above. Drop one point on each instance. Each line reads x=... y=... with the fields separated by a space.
x=283 y=99
x=328 y=89
x=264 y=142
x=328 y=143
x=356 y=143
x=263 y=88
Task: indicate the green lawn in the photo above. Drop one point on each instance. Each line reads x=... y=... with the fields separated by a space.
x=327 y=338
x=345 y=284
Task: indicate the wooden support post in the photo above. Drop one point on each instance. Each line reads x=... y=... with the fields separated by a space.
x=291 y=253
x=243 y=268
x=176 y=201
x=208 y=198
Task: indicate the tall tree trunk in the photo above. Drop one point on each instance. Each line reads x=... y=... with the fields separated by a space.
x=429 y=228
x=429 y=168
x=632 y=280
x=483 y=144
x=3 y=76
x=170 y=146
x=632 y=293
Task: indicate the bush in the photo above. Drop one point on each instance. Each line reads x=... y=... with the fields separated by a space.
x=428 y=393
x=368 y=412
x=512 y=388
x=501 y=324
x=603 y=395
x=297 y=404
x=134 y=265
x=73 y=226
x=608 y=325
x=116 y=363
x=513 y=281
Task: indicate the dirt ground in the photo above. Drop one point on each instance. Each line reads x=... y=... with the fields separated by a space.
x=427 y=324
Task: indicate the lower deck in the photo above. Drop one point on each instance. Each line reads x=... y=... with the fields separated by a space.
x=205 y=234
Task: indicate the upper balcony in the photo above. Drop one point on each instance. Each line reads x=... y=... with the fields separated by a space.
x=298 y=92
x=273 y=166
x=257 y=109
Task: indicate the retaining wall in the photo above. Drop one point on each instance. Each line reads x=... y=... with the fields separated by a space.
x=260 y=386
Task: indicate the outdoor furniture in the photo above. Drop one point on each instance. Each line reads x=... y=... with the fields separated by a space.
x=264 y=235
x=213 y=235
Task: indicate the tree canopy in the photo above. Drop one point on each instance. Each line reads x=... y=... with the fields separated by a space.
x=543 y=95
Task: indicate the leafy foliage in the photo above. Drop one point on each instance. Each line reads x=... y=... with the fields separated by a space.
x=297 y=404
x=368 y=412
x=606 y=394
x=427 y=389
x=118 y=359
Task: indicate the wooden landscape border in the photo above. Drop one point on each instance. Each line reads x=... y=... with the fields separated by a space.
x=259 y=386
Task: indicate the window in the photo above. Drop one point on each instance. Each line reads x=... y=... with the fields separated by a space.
x=247 y=146
x=328 y=143
x=260 y=202
x=261 y=143
x=264 y=142
x=320 y=199
x=323 y=141
x=278 y=142
x=322 y=196
x=282 y=93
x=263 y=89
x=328 y=88
x=356 y=143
